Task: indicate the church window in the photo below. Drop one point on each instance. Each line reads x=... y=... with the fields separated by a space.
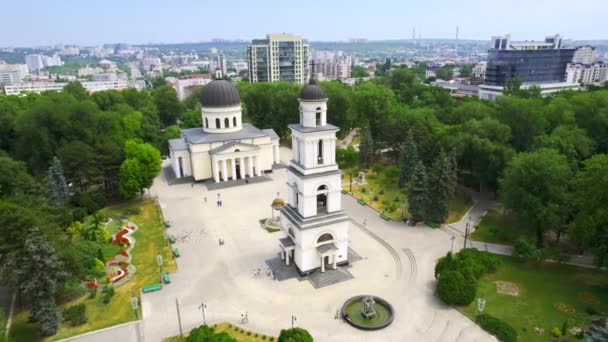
x=234 y=121
x=206 y=123
x=318 y=116
x=320 y=152
x=227 y=123
x=327 y=237
x=217 y=123
x=322 y=199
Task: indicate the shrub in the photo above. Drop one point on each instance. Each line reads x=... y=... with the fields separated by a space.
x=556 y=332
x=107 y=294
x=90 y=201
x=92 y=293
x=131 y=211
x=565 y=328
x=456 y=288
x=295 y=335
x=381 y=191
x=376 y=198
x=256 y=335
x=501 y=329
x=271 y=338
x=590 y=311
x=524 y=248
x=363 y=190
x=445 y=263
x=76 y=315
x=264 y=338
x=249 y=333
x=397 y=199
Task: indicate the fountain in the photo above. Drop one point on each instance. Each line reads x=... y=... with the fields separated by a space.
x=367 y=312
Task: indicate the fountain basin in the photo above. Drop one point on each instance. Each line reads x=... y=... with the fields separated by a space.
x=351 y=312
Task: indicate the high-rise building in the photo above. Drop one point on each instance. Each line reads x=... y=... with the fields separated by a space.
x=536 y=63
x=12 y=73
x=331 y=65
x=585 y=55
x=279 y=57
x=37 y=62
x=220 y=64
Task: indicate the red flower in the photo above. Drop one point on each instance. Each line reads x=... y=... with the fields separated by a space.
x=123 y=253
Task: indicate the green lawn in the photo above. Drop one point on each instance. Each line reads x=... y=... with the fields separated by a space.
x=150 y=239
x=498 y=228
x=541 y=287
x=386 y=178
x=237 y=332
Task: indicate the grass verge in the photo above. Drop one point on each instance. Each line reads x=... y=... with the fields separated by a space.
x=495 y=227
x=237 y=332
x=549 y=295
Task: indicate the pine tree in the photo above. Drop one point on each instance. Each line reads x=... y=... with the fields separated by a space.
x=408 y=158
x=417 y=193
x=38 y=275
x=366 y=146
x=441 y=187
x=57 y=186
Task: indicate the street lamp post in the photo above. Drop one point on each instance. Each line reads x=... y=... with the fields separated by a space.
x=134 y=304
x=351 y=181
x=159 y=261
x=453 y=238
x=466 y=235
x=293 y=319
x=203 y=306
x=481 y=304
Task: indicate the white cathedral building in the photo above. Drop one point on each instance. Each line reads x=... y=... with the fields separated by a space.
x=225 y=148
x=316 y=226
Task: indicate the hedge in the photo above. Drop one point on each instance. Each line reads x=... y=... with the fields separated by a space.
x=501 y=329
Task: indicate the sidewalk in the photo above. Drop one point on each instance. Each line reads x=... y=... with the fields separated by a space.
x=128 y=332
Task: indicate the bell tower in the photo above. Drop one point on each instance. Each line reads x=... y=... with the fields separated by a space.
x=313 y=218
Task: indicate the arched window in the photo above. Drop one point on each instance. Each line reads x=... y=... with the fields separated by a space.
x=322 y=199
x=217 y=123
x=226 y=123
x=290 y=232
x=234 y=121
x=206 y=123
x=327 y=237
x=320 y=152
x=318 y=116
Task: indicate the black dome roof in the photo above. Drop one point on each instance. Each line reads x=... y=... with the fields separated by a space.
x=220 y=93
x=312 y=92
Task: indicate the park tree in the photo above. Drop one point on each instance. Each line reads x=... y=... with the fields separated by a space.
x=442 y=185
x=44 y=311
x=77 y=90
x=359 y=72
x=455 y=287
x=339 y=108
x=534 y=186
x=14 y=178
x=57 y=187
x=169 y=107
x=205 y=333
x=78 y=159
x=446 y=72
x=141 y=165
x=524 y=117
x=366 y=147
x=466 y=70
x=590 y=196
x=408 y=159
x=295 y=335
x=417 y=193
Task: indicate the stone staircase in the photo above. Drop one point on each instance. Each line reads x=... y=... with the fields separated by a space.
x=319 y=279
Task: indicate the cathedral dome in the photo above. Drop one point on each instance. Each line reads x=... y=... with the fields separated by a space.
x=220 y=93
x=312 y=92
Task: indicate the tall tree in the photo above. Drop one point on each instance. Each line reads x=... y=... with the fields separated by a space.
x=441 y=187
x=366 y=147
x=590 y=197
x=408 y=158
x=169 y=107
x=534 y=187
x=417 y=193
x=141 y=165
x=58 y=189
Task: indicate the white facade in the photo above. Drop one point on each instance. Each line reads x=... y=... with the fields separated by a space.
x=105 y=77
x=587 y=74
x=91 y=86
x=332 y=66
x=316 y=228
x=489 y=92
x=224 y=149
x=12 y=73
x=585 y=55
x=185 y=84
x=479 y=70
x=37 y=62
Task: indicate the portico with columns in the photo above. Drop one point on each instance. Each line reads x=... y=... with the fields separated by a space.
x=225 y=148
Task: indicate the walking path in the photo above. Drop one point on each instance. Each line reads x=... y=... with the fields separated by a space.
x=128 y=332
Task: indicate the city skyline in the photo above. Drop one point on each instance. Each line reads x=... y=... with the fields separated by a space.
x=152 y=21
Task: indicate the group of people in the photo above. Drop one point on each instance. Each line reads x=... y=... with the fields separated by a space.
x=244 y=318
x=269 y=273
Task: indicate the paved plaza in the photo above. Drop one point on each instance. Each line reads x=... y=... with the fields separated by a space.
x=396 y=263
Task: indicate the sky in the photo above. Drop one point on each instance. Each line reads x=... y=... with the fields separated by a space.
x=88 y=22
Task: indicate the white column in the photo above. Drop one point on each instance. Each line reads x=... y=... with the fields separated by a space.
x=335 y=261
x=232 y=161
x=287 y=257
x=296 y=149
x=276 y=154
x=216 y=176
x=224 y=170
x=332 y=151
x=257 y=165
x=250 y=166
x=322 y=264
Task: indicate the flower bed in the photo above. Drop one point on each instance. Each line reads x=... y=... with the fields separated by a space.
x=119 y=268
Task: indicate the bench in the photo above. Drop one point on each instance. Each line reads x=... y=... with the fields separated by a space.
x=167 y=224
x=176 y=252
x=362 y=202
x=152 y=287
x=166 y=278
x=172 y=239
x=431 y=224
x=384 y=217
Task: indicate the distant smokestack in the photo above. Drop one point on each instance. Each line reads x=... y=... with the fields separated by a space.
x=457 y=29
x=414 y=34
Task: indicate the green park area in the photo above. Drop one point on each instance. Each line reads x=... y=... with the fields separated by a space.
x=149 y=240
x=498 y=228
x=238 y=333
x=539 y=298
x=382 y=192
